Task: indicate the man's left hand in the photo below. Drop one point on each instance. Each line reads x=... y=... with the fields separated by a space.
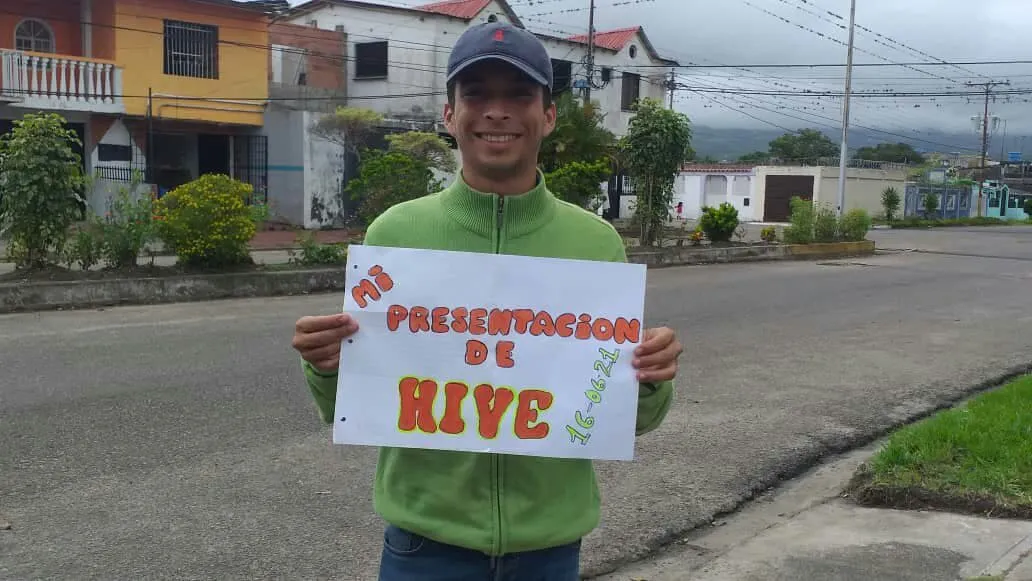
x=656 y=357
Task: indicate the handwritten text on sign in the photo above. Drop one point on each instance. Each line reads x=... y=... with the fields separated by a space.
x=490 y=353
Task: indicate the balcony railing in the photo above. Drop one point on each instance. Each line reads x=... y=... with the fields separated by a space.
x=49 y=81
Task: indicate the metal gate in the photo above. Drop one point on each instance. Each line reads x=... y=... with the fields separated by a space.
x=251 y=164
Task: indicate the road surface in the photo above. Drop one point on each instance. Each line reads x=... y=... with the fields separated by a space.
x=178 y=441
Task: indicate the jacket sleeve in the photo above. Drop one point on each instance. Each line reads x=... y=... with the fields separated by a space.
x=323 y=385
x=654 y=399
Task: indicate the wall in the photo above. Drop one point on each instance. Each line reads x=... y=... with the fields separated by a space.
x=692 y=190
x=418 y=44
x=62 y=16
x=286 y=164
x=243 y=70
x=864 y=187
x=323 y=64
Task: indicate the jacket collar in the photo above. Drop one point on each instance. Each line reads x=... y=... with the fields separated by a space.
x=479 y=211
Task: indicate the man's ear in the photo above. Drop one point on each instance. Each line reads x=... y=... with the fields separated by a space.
x=551 y=113
x=449 y=118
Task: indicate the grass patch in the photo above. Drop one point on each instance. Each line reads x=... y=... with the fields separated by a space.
x=975 y=458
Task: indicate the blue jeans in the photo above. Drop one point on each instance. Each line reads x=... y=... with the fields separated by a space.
x=411 y=557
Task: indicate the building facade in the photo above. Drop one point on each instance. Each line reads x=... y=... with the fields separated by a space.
x=167 y=88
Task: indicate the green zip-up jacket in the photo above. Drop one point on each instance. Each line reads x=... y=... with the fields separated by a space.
x=493 y=503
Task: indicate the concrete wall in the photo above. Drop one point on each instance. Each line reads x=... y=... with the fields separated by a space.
x=695 y=190
x=286 y=164
x=864 y=187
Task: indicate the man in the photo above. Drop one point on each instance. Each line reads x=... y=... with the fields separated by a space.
x=457 y=516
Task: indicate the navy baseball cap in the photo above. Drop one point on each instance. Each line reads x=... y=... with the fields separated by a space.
x=504 y=42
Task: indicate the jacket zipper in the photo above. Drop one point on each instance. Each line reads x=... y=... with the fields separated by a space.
x=496 y=460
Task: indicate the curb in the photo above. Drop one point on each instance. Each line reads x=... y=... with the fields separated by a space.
x=56 y=295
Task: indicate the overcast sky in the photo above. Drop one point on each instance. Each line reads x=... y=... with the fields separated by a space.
x=741 y=32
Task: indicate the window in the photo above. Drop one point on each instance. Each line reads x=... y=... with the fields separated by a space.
x=371 y=60
x=33 y=35
x=630 y=90
x=191 y=50
x=562 y=75
x=109 y=152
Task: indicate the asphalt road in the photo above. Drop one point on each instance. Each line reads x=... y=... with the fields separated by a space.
x=179 y=442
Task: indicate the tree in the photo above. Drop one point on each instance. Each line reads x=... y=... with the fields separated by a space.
x=805 y=146
x=891 y=152
x=39 y=176
x=657 y=144
x=890 y=202
x=424 y=146
x=578 y=182
x=755 y=157
x=579 y=136
x=388 y=178
x=348 y=127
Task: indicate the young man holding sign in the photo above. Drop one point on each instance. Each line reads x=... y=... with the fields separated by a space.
x=466 y=516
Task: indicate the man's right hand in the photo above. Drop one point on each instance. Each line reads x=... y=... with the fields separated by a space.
x=318 y=339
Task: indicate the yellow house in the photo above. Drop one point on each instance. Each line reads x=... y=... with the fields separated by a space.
x=171 y=88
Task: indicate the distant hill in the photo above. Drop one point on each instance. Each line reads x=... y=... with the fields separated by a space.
x=730 y=143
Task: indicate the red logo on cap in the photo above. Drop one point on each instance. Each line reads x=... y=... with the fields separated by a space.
x=499 y=35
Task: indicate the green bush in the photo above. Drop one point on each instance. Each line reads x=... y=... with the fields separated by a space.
x=890 y=200
x=719 y=224
x=388 y=178
x=802 y=217
x=579 y=182
x=769 y=234
x=40 y=174
x=854 y=225
x=126 y=228
x=313 y=253
x=825 y=224
x=207 y=222
x=1028 y=207
x=85 y=249
x=931 y=204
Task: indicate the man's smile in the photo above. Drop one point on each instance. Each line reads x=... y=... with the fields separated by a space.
x=497 y=137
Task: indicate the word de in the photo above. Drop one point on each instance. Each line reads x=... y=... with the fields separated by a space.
x=418 y=396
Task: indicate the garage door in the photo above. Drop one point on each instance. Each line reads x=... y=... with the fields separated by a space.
x=778 y=193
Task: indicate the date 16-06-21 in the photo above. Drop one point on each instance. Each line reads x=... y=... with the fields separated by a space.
x=581 y=432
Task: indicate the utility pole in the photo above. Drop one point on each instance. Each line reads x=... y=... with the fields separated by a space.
x=672 y=81
x=591 y=51
x=985 y=137
x=844 y=153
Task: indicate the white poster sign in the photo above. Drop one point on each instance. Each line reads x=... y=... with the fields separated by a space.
x=490 y=353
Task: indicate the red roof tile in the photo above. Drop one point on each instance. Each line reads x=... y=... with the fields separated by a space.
x=466 y=9
x=611 y=39
x=716 y=168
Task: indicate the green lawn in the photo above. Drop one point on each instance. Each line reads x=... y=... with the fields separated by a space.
x=973 y=458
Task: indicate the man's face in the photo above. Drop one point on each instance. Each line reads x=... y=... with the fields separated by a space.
x=498 y=119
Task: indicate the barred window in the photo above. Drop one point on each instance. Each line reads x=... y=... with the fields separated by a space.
x=191 y=50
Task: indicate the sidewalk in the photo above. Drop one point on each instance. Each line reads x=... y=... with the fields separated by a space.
x=806 y=530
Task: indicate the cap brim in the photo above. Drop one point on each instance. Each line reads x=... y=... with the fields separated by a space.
x=522 y=66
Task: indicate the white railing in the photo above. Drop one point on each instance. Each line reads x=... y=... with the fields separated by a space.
x=61 y=81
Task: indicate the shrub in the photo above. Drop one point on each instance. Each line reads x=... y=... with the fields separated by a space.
x=800 y=231
x=388 y=178
x=769 y=234
x=206 y=222
x=825 y=224
x=579 y=182
x=312 y=252
x=1028 y=207
x=126 y=228
x=854 y=225
x=85 y=248
x=890 y=203
x=931 y=204
x=719 y=224
x=40 y=174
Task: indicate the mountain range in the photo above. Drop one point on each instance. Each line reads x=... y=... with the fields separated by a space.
x=730 y=143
